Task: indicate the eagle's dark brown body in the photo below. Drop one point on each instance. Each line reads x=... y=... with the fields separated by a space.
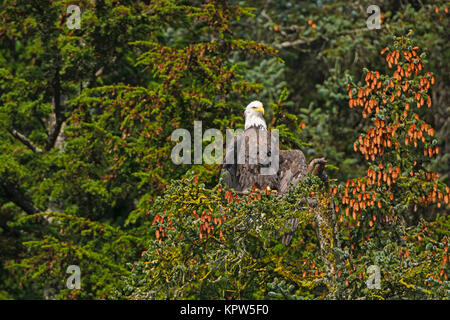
x=291 y=169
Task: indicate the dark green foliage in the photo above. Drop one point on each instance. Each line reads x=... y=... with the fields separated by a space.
x=86 y=117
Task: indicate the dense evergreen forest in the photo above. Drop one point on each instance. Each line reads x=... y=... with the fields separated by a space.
x=92 y=90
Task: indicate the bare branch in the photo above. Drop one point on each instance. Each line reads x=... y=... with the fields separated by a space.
x=57 y=118
x=314 y=162
x=294 y=43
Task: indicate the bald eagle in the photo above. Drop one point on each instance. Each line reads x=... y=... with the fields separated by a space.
x=290 y=168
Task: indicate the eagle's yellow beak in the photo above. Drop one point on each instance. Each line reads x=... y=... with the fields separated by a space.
x=260 y=109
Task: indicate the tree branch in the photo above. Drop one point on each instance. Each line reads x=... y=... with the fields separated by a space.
x=321 y=161
x=327 y=236
x=25 y=140
x=294 y=43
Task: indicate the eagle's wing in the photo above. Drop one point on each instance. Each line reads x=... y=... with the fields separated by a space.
x=229 y=166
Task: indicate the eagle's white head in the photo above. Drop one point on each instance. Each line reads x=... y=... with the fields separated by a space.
x=253 y=115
